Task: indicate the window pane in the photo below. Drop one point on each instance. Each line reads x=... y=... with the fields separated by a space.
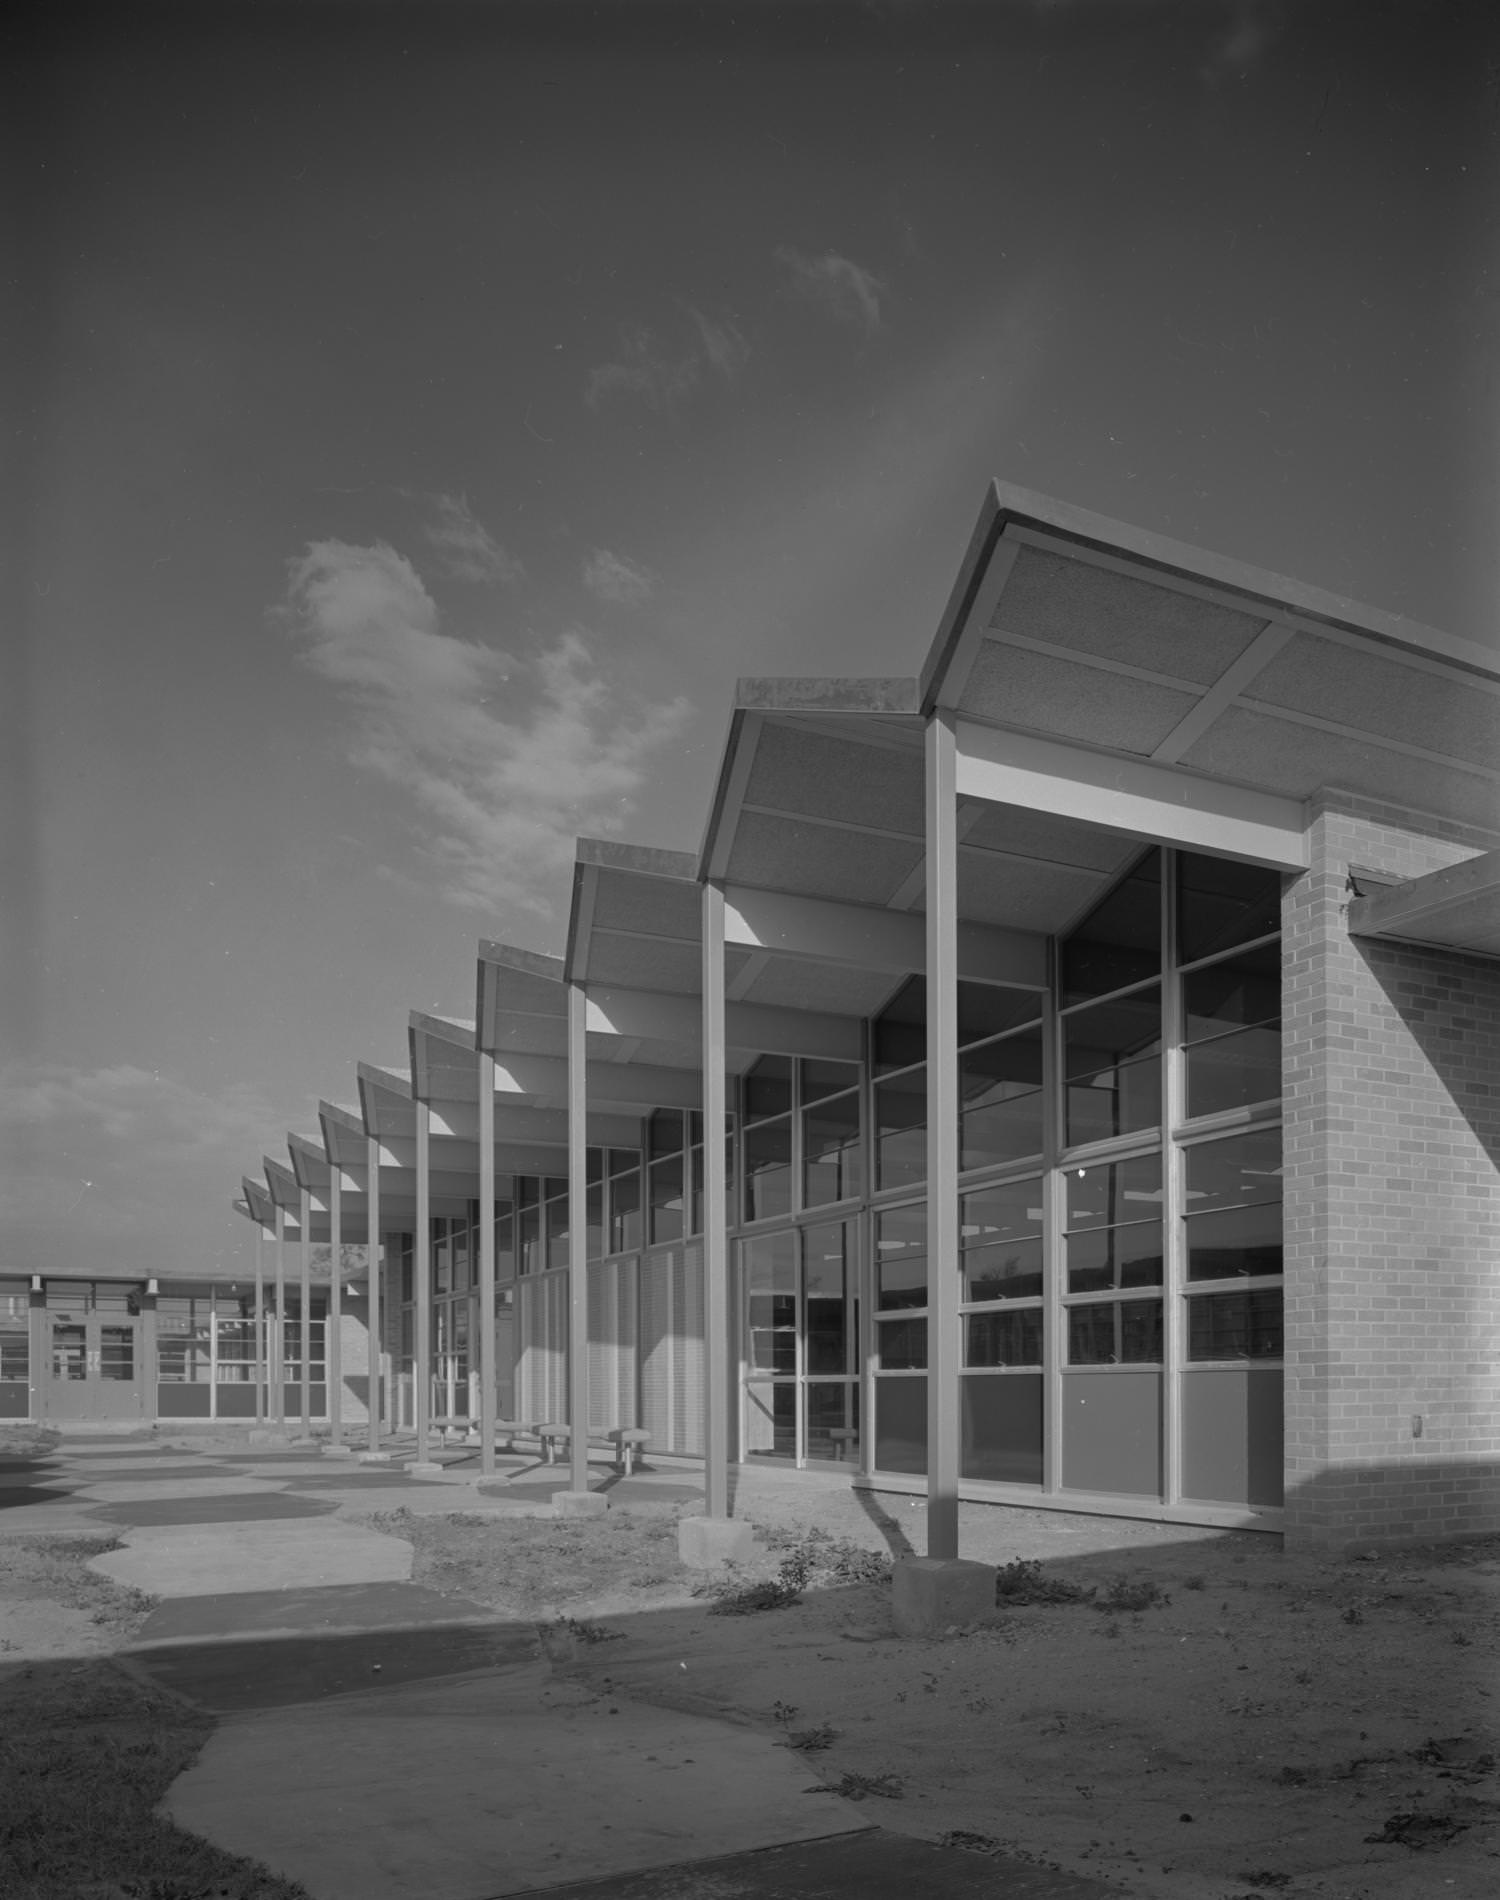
x=1007 y=1270
x=625 y=1211
x=1220 y=904
x=770 y=1420
x=768 y=1169
x=664 y=1132
x=1005 y=1339
x=1230 y=1173
x=1232 y=994
x=1119 y=942
x=666 y=1179
x=1112 y=1062
x=68 y=1352
x=985 y=1009
x=901 y=1257
x=832 y=1416
x=768 y=1088
x=557 y=1231
x=830 y=1314
x=1116 y=1332
x=1104 y=1257
x=901 y=1027
x=901 y=1130
x=831 y=1153
x=1237 y=1240
x=902 y=1345
x=827 y=1078
x=117 y=1352
x=1233 y=1071
x=1119 y=1191
x=1000 y=1090
x=1235 y=1325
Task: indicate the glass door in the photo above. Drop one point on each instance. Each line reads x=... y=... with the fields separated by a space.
x=800 y=1327
x=93 y=1351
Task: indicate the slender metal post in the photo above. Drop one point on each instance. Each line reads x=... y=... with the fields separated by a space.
x=486 y=1263
x=422 y=1292
x=578 y=1237
x=259 y=1371
x=304 y=1328
x=372 y=1249
x=278 y=1340
x=715 y=1229
x=943 y=1270
x=333 y=1353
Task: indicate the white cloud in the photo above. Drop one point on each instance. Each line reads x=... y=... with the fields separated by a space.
x=507 y=760
x=97 y=1114
x=841 y=288
x=620 y=582
x=469 y=551
x=662 y=378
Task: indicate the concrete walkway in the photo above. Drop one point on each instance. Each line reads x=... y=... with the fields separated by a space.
x=379 y=1741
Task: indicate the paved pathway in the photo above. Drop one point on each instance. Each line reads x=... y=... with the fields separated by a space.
x=380 y=1741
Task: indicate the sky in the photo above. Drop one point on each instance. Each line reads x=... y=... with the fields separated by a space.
x=421 y=414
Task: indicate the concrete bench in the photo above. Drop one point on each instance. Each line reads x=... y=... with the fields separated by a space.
x=628 y=1442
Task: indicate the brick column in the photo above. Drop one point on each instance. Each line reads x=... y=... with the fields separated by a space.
x=1392 y=1106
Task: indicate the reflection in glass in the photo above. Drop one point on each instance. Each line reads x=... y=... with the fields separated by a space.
x=901 y=1257
x=1119 y=942
x=831 y=1151
x=1000 y=1094
x=901 y=1130
x=768 y=1169
x=902 y=1344
x=1235 y=1325
x=1220 y=904
x=1115 y=1332
x=1004 y=1339
x=1112 y=1063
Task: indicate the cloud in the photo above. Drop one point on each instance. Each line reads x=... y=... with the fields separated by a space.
x=507 y=760
x=469 y=551
x=665 y=379
x=620 y=582
x=838 y=286
x=98 y=1114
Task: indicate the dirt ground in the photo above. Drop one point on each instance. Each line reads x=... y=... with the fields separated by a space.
x=1262 y=1725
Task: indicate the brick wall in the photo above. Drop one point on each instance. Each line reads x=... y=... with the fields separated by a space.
x=1392 y=1094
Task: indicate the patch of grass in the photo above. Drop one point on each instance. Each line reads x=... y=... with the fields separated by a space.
x=856 y=1787
x=531 y=1565
x=1024 y=1581
x=28 y=1441
x=810 y=1741
x=86 y=1753
x=51 y=1568
x=808 y=1558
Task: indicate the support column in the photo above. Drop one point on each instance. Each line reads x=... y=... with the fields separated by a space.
x=304 y=1328
x=373 y=1317
x=486 y=1264
x=421 y=1368
x=936 y=1592
x=714 y=1538
x=278 y=1323
x=333 y=1344
x=258 y=1372
x=578 y=1500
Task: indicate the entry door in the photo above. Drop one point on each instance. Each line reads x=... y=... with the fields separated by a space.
x=95 y=1367
x=800 y=1319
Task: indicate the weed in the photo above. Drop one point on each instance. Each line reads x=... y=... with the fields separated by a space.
x=746 y=1598
x=1024 y=1582
x=1111 y=1628
x=1194 y=1583
x=1303 y=1677
x=585 y=1632
x=1123 y=1594
x=828 y=1558
x=1354 y=1614
x=855 y=1787
x=811 y=1740
x=1461 y=1638
x=1265 y=1878
x=784 y=1712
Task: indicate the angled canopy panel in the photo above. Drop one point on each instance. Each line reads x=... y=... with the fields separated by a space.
x=1454 y=909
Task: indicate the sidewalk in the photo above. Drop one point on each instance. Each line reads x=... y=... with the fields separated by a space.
x=380 y=1741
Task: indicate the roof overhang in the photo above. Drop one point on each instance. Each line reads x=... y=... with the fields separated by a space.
x=1457 y=908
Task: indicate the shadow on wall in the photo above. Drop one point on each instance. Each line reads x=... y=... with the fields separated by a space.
x=1450 y=1003
x=1349 y=1510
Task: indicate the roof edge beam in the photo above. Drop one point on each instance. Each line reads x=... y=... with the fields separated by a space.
x=864 y=937
x=1132 y=796
x=1430 y=908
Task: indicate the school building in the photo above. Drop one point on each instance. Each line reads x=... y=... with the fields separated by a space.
x=1068 y=1077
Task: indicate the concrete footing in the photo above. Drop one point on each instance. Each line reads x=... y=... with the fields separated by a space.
x=708 y=1543
x=930 y=1595
x=580 y=1503
x=338 y=1451
x=374 y=1457
x=424 y=1468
